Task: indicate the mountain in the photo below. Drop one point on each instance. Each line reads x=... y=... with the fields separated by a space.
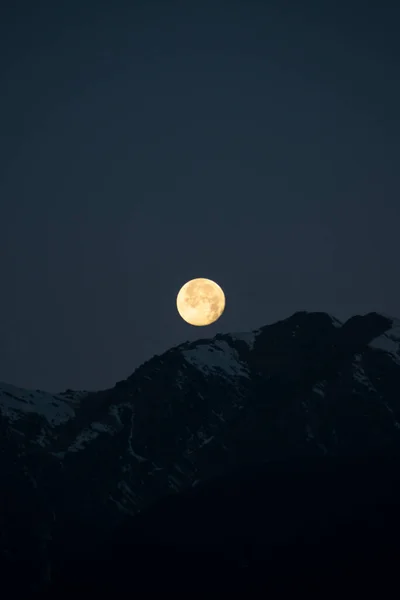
x=75 y=464
x=322 y=525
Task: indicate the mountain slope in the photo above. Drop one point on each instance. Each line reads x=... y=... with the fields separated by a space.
x=306 y=386
x=321 y=525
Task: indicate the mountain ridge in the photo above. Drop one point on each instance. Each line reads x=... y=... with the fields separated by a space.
x=304 y=386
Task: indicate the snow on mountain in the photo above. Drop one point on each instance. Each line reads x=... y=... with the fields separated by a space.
x=15 y=403
x=249 y=337
x=216 y=358
x=359 y=374
x=389 y=341
x=319 y=389
x=335 y=322
x=87 y=435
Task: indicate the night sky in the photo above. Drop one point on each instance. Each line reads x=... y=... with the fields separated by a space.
x=255 y=143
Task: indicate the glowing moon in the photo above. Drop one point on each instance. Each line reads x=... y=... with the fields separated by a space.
x=200 y=302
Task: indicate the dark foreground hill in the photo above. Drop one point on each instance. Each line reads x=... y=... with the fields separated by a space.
x=301 y=526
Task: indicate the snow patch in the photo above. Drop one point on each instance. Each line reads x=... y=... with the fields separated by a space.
x=59 y=455
x=335 y=322
x=101 y=428
x=207 y=441
x=42 y=439
x=216 y=357
x=219 y=415
x=245 y=336
x=155 y=468
x=319 y=389
x=116 y=411
x=88 y=435
x=180 y=379
x=204 y=438
x=388 y=408
x=131 y=451
x=389 y=342
x=359 y=373
x=174 y=483
x=128 y=498
x=16 y=402
x=139 y=458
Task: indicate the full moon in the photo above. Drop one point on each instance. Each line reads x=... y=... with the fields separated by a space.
x=200 y=302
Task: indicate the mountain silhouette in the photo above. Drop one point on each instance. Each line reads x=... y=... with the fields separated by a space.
x=77 y=466
x=310 y=526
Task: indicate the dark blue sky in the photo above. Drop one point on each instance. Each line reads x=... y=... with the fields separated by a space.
x=253 y=143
